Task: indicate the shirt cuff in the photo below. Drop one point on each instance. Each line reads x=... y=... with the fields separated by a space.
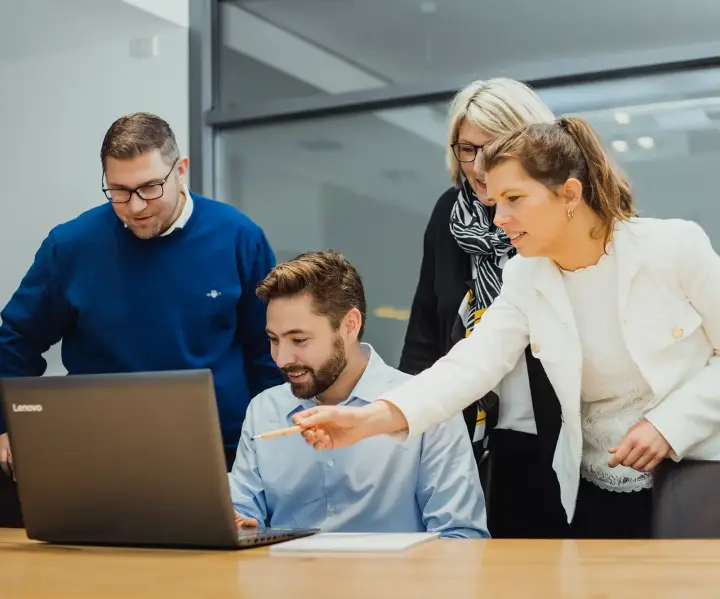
x=666 y=422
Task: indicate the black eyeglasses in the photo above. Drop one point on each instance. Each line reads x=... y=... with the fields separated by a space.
x=147 y=192
x=465 y=152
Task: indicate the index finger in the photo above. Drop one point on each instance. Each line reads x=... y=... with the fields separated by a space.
x=309 y=418
x=621 y=452
x=303 y=415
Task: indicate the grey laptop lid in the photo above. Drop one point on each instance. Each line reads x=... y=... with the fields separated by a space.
x=129 y=459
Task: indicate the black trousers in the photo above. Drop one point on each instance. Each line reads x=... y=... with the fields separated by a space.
x=523 y=498
x=601 y=514
x=521 y=489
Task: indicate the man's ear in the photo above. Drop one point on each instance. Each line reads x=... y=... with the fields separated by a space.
x=352 y=323
x=183 y=165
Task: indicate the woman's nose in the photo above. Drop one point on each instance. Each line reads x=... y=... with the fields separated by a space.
x=501 y=218
x=477 y=166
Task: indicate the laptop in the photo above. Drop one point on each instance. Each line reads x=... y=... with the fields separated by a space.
x=124 y=459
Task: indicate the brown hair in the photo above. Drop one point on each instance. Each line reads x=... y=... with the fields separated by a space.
x=135 y=134
x=568 y=148
x=333 y=283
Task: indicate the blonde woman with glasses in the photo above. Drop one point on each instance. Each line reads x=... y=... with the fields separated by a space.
x=461 y=275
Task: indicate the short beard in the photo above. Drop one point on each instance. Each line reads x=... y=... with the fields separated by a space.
x=325 y=376
x=146 y=233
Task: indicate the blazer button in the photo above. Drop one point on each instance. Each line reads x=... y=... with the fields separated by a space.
x=677 y=333
x=534 y=348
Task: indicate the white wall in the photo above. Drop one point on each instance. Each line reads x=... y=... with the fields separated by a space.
x=54 y=111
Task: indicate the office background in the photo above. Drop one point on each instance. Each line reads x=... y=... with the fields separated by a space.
x=324 y=120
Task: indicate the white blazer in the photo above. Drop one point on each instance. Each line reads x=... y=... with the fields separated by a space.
x=669 y=306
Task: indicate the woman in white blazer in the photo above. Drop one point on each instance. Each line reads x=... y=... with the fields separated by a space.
x=623 y=312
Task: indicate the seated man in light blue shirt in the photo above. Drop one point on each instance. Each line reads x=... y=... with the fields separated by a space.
x=315 y=319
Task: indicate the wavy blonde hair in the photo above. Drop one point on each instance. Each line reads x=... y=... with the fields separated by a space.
x=497 y=106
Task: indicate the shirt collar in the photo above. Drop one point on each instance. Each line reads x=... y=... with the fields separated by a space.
x=185 y=215
x=365 y=391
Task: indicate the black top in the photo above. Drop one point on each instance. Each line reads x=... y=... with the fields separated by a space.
x=445 y=278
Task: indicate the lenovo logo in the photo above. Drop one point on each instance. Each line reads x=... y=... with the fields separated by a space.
x=27 y=408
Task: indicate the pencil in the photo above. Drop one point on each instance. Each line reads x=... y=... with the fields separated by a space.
x=281 y=432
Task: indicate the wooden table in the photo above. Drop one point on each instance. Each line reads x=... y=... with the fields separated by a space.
x=496 y=569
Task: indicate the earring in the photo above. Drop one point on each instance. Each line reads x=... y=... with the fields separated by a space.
x=571 y=213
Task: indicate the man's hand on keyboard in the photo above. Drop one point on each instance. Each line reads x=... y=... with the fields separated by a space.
x=243 y=522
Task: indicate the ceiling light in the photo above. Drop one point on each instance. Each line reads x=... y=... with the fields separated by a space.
x=620 y=145
x=646 y=143
x=622 y=117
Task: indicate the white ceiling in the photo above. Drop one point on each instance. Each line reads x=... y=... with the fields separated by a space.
x=34 y=27
x=416 y=40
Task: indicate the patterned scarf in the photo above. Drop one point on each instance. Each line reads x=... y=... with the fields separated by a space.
x=472 y=227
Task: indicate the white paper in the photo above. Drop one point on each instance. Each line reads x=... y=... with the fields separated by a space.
x=355 y=541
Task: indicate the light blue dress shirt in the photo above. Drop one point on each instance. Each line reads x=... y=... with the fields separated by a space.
x=377 y=485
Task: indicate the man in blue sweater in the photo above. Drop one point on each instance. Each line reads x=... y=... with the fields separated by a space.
x=155 y=279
